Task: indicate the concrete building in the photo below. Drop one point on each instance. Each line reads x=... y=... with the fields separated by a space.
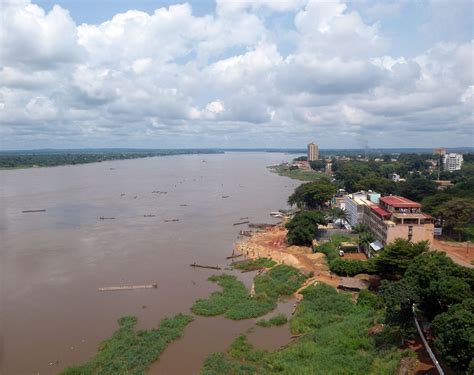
x=313 y=152
x=397 y=217
x=354 y=205
x=452 y=162
x=388 y=218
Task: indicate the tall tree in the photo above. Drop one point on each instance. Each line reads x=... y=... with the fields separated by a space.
x=454 y=331
x=302 y=228
x=312 y=195
x=395 y=258
x=417 y=188
x=457 y=214
x=399 y=297
x=317 y=165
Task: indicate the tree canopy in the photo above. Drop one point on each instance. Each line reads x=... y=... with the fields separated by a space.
x=457 y=214
x=454 y=331
x=317 y=165
x=302 y=228
x=395 y=258
x=417 y=188
x=312 y=195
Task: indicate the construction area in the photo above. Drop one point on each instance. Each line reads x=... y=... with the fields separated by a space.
x=271 y=243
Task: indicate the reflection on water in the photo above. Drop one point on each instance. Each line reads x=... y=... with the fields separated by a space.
x=53 y=262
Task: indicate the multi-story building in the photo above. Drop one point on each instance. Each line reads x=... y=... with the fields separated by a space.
x=313 y=152
x=354 y=205
x=452 y=162
x=397 y=217
x=388 y=218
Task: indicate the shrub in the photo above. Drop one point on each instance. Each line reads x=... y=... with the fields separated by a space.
x=277 y=320
x=130 y=352
x=255 y=264
x=235 y=302
x=335 y=341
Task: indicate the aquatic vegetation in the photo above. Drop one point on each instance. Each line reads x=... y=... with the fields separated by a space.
x=255 y=264
x=132 y=352
x=218 y=303
x=335 y=340
x=277 y=320
x=235 y=302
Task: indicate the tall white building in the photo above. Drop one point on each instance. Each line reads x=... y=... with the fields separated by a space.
x=313 y=152
x=452 y=162
x=354 y=205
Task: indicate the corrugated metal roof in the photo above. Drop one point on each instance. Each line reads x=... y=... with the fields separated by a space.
x=380 y=211
x=399 y=202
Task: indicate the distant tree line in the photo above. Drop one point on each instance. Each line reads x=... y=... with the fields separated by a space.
x=45 y=159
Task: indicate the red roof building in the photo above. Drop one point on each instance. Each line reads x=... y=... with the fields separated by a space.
x=399 y=202
x=398 y=217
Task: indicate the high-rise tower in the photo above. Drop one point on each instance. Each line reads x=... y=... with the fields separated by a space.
x=313 y=152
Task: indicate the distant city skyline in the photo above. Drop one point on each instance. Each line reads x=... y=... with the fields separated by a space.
x=236 y=74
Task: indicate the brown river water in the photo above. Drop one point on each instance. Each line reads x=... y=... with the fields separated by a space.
x=52 y=263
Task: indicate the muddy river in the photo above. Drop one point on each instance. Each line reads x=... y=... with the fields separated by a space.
x=53 y=262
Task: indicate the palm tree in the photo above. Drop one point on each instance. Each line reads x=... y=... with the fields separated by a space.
x=365 y=239
x=340 y=214
x=359 y=228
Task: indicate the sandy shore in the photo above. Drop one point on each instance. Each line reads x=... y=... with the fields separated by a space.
x=271 y=243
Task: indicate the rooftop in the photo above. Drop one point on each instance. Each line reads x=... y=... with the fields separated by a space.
x=399 y=202
x=379 y=210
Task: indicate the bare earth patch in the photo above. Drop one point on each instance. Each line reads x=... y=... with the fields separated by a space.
x=272 y=243
x=460 y=252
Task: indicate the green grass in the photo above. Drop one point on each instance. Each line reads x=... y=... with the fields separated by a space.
x=277 y=320
x=132 y=352
x=335 y=341
x=296 y=174
x=235 y=302
x=255 y=264
x=281 y=280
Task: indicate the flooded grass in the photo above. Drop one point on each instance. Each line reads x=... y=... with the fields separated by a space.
x=235 y=302
x=129 y=351
x=335 y=340
x=255 y=264
x=278 y=320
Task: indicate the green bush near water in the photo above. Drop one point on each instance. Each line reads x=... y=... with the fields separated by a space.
x=131 y=352
x=335 y=341
x=255 y=264
x=235 y=302
x=277 y=320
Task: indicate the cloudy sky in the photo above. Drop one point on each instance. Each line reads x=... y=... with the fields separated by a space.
x=263 y=73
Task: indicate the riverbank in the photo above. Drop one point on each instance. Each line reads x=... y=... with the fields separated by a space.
x=10 y=160
x=271 y=243
x=296 y=174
